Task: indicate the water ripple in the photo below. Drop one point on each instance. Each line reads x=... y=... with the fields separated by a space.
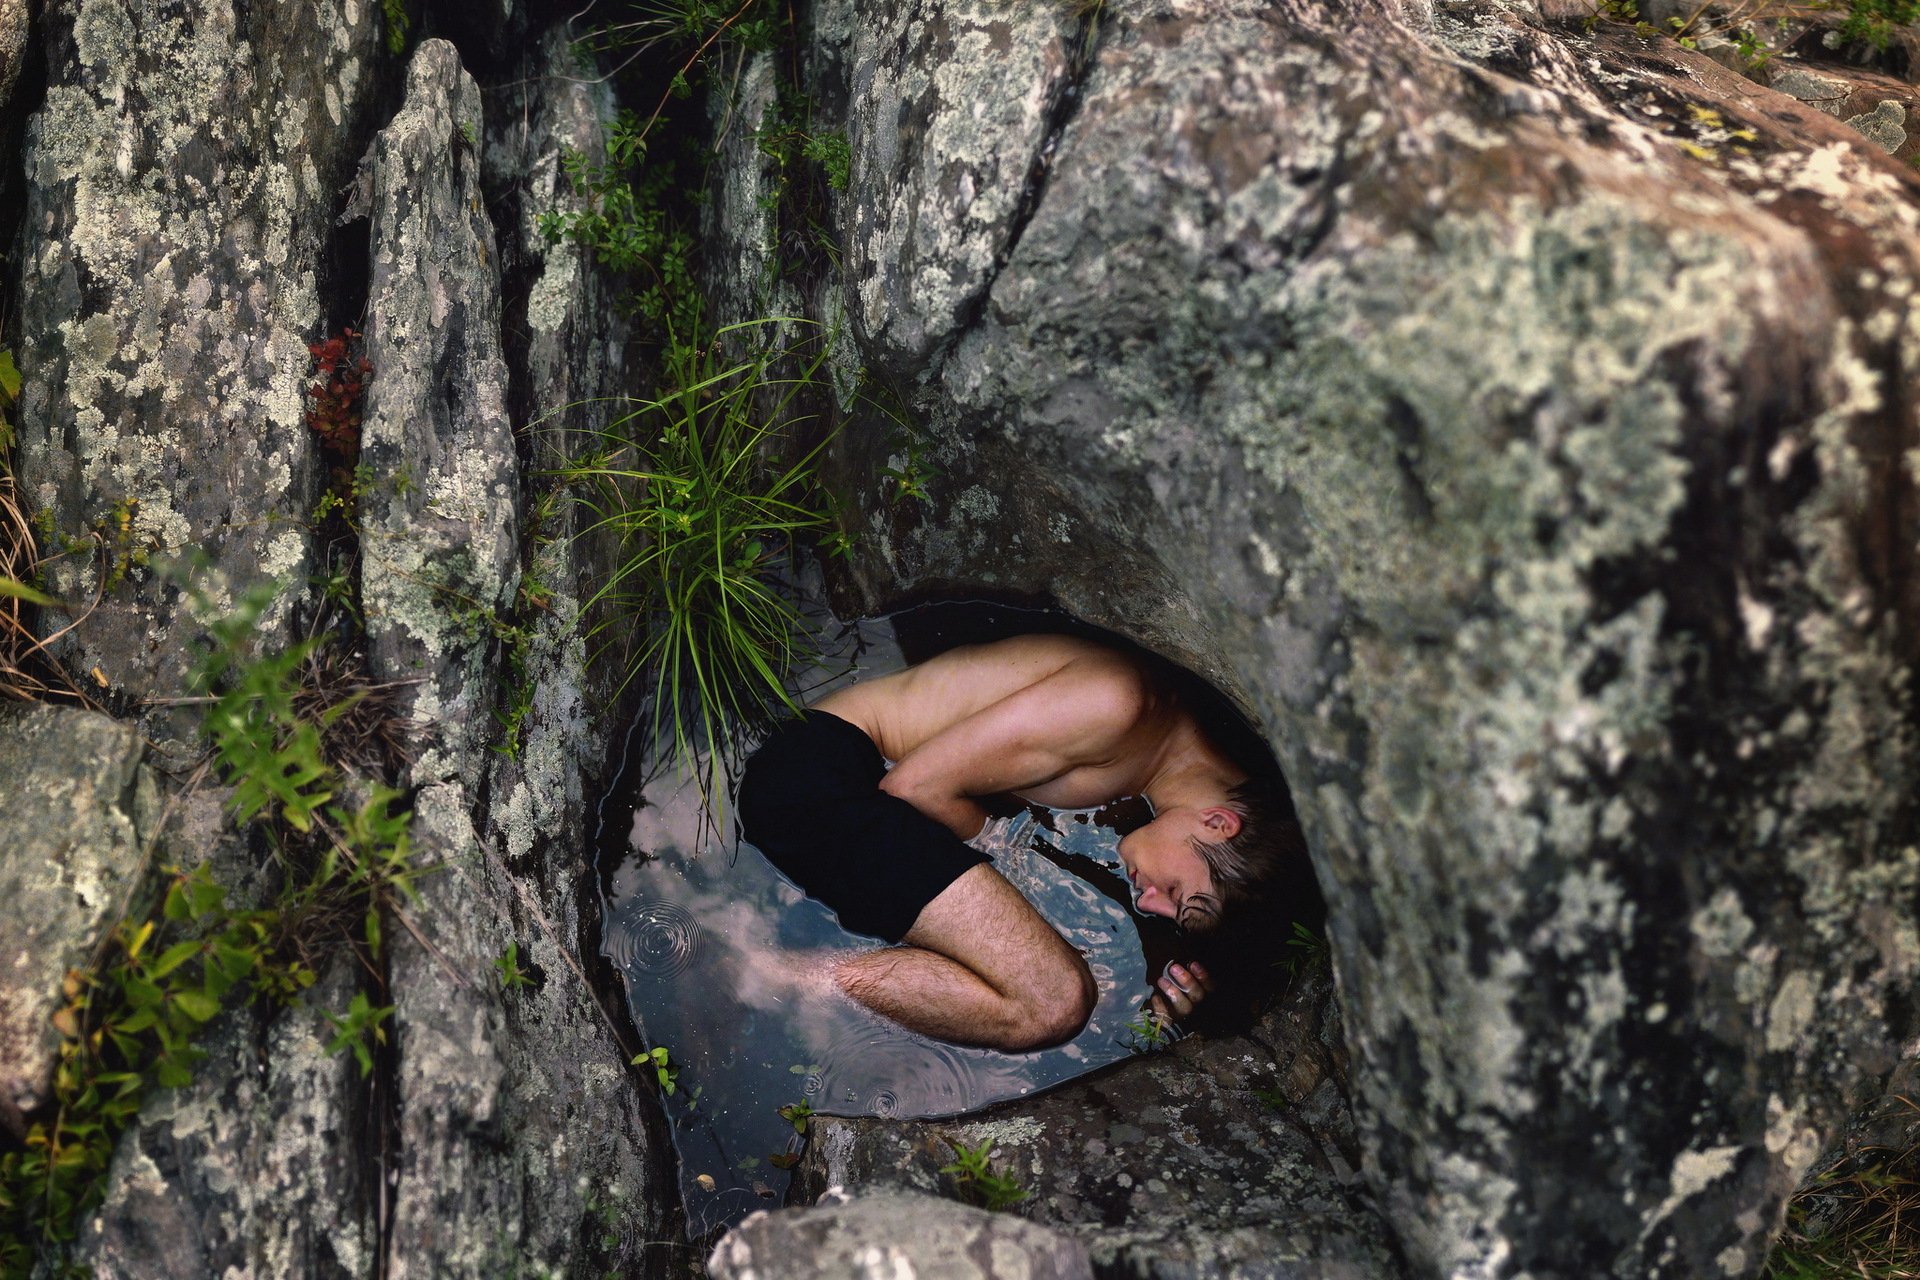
x=655 y=938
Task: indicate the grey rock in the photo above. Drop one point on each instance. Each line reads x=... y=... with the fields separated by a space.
x=955 y=105
x=440 y=524
x=179 y=199
x=16 y=25
x=522 y=1141
x=1233 y=1156
x=501 y=1132
x=895 y=1234
x=268 y=1164
x=1885 y=126
x=1516 y=442
x=78 y=812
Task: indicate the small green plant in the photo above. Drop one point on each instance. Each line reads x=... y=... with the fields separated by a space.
x=1305 y=950
x=395 y=13
x=665 y=1073
x=182 y=953
x=1148 y=1032
x=975 y=1182
x=799 y=1115
x=9 y=393
x=1873 y=22
x=359 y=1029
x=508 y=964
x=622 y=217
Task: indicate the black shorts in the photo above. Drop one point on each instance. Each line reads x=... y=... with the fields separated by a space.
x=810 y=800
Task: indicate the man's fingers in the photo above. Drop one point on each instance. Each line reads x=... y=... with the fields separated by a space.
x=1180 y=989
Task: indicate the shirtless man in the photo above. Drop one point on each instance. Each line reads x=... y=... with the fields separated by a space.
x=1061 y=721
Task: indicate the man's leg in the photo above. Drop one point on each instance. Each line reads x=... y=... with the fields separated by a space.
x=979 y=966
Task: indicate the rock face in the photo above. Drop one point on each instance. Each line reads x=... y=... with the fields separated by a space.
x=1234 y=1156
x=500 y=1132
x=180 y=199
x=517 y=1119
x=78 y=812
x=1517 y=418
x=895 y=1235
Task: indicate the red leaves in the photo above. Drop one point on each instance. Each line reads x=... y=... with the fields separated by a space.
x=333 y=401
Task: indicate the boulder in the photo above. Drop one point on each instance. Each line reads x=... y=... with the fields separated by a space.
x=180 y=188
x=79 y=811
x=500 y=1131
x=268 y=1164
x=1878 y=105
x=1514 y=417
x=1230 y=1156
x=518 y=1122
x=894 y=1234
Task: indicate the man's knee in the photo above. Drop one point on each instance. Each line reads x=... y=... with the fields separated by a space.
x=1056 y=1006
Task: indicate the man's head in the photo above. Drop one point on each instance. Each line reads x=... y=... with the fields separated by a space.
x=1194 y=862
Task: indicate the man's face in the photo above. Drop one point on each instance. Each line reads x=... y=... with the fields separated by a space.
x=1169 y=877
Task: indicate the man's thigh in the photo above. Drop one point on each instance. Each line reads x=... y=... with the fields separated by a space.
x=984 y=923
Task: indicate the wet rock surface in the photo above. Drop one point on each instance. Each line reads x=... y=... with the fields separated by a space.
x=1229 y=1156
x=895 y=1234
x=1514 y=416
x=78 y=812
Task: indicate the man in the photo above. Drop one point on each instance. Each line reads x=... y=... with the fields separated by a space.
x=1054 y=719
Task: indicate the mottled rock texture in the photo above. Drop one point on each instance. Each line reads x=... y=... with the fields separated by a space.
x=1879 y=106
x=518 y=1121
x=895 y=1235
x=77 y=813
x=1519 y=419
x=500 y=1131
x=181 y=179
x=1234 y=1157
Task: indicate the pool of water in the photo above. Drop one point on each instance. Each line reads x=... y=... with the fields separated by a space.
x=724 y=963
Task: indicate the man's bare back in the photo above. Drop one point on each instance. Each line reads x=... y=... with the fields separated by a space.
x=1064 y=722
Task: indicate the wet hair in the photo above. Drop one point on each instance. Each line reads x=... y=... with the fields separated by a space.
x=1241 y=866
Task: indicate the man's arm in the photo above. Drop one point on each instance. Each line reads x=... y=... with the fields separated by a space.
x=1078 y=716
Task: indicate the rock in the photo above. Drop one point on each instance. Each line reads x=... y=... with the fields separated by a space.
x=500 y=1132
x=522 y=1139
x=958 y=105
x=899 y=1234
x=1233 y=1156
x=440 y=520
x=180 y=199
x=16 y=25
x=268 y=1164
x=1510 y=415
x=77 y=815
x=1876 y=105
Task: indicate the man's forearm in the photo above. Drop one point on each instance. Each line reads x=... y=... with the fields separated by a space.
x=961 y=815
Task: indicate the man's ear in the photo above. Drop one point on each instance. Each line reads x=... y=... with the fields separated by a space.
x=1221 y=822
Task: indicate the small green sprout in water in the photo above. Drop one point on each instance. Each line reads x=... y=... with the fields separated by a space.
x=1147 y=1032
x=511 y=974
x=976 y=1182
x=359 y=1029
x=797 y=1114
x=663 y=1069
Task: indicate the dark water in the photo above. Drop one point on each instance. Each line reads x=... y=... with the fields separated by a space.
x=725 y=961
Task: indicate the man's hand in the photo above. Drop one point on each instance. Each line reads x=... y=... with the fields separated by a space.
x=1181 y=987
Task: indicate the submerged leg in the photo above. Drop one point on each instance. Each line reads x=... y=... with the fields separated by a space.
x=980 y=966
